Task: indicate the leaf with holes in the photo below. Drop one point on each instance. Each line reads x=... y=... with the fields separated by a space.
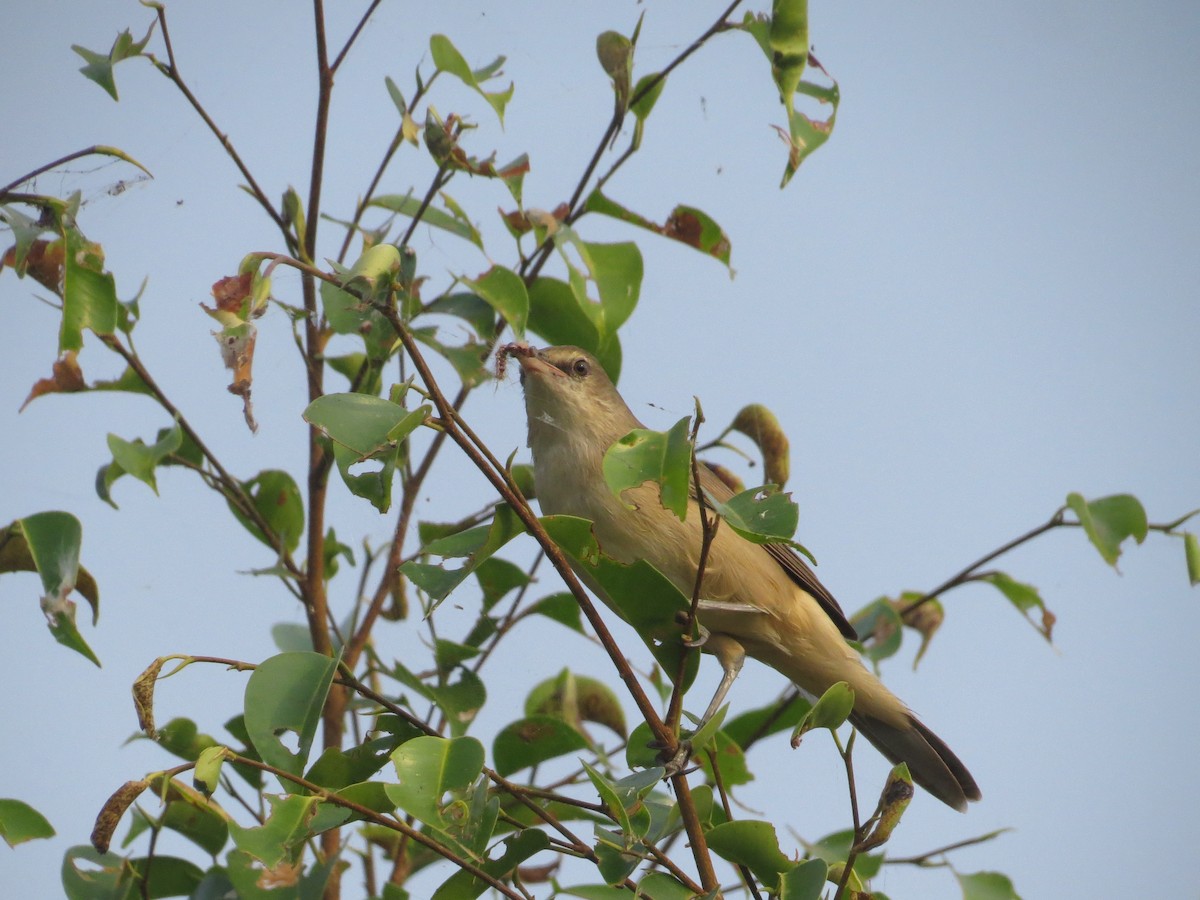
x=286 y=693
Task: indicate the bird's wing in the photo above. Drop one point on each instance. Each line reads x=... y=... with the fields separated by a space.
x=788 y=559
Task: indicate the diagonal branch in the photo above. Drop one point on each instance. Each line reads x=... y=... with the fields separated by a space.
x=171 y=70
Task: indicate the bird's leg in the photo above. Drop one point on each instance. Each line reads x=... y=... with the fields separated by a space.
x=730 y=654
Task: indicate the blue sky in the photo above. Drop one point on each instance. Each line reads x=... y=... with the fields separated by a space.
x=980 y=295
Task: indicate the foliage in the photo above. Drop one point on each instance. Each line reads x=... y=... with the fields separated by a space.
x=511 y=811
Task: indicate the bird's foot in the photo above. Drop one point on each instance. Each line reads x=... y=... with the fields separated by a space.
x=700 y=640
x=674 y=763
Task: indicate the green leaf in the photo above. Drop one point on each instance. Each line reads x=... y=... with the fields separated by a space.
x=183 y=738
x=752 y=844
x=471 y=308
x=787 y=37
x=497 y=577
x=1109 y=521
x=337 y=769
x=20 y=822
x=207 y=774
x=476 y=544
x=576 y=699
x=755 y=724
x=49 y=543
x=101 y=875
x=805 y=882
x=623 y=800
x=462 y=885
x=986 y=886
x=286 y=828
x=460 y=700
x=881 y=621
x=1191 y=550
x=286 y=693
x=364 y=428
x=447 y=59
x=645 y=94
x=455 y=222
x=277 y=498
x=364 y=425
x=686 y=224
x=617 y=271
x=98 y=67
x=661 y=456
x=616 y=855
x=204 y=825
x=830 y=711
x=639 y=593
x=467 y=359
x=349 y=315
x=1024 y=597
x=374 y=271
x=89 y=292
x=661 y=886
x=897 y=793
x=615 y=52
x=533 y=740
x=730 y=758
x=139 y=460
x=783 y=38
x=428 y=767
x=562 y=608
x=763 y=515
x=53 y=540
x=166 y=876
x=504 y=291
x=555 y=314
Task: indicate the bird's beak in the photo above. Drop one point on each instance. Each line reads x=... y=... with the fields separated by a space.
x=532 y=362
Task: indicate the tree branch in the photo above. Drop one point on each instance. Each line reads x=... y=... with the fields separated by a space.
x=171 y=70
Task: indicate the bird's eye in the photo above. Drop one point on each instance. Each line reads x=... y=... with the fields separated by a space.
x=580 y=367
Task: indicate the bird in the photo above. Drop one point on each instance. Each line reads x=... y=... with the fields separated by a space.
x=757 y=600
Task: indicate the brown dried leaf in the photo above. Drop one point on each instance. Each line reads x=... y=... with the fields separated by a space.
x=66 y=378
x=760 y=425
x=231 y=292
x=517 y=221
x=538 y=874
x=112 y=811
x=285 y=874
x=237 y=352
x=43 y=262
x=1048 y=620
x=143 y=697
x=731 y=480
x=684 y=226
x=925 y=619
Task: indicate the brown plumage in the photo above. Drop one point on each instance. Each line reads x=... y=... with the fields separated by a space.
x=757 y=600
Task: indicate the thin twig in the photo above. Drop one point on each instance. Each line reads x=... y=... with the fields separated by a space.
x=337 y=62
x=230 y=487
x=743 y=870
x=708 y=532
x=360 y=208
x=394 y=824
x=852 y=856
x=171 y=70
x=923 y=858
x=542 y=254
x=78 y=154
x=1055 y=521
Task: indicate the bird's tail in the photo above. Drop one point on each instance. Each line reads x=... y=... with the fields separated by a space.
x=932 y=764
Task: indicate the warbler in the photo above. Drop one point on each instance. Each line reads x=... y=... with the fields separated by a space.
x=760 y=600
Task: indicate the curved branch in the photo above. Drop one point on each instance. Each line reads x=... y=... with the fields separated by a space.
x=171 y=70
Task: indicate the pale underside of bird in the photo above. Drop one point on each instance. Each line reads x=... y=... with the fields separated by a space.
x=757 y=600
